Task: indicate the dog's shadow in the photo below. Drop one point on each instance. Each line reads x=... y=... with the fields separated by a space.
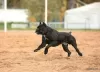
x=57 y=57
x=49 y=57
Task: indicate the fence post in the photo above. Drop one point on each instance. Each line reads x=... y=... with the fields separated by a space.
x=5 y=22
x=46 y=9
x=5 y=26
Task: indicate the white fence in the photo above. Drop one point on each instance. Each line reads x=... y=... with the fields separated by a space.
x=55 y=25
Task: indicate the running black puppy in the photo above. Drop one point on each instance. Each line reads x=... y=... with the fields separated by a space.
x=52 y=38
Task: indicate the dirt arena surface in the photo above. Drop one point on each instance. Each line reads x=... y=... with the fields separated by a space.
x=16 y=53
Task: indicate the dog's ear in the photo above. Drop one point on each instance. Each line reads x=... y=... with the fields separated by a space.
x=40 y=23
x=44 y=24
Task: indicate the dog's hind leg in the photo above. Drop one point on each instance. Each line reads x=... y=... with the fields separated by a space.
x=54 y=43
x=74 y=44
x=65 y=47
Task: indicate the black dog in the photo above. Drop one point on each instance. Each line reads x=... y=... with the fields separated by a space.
x=54 y=38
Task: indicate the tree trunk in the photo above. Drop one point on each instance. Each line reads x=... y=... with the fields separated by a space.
x=71 y=4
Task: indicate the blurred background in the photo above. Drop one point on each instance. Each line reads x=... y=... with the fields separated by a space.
x=25 y=14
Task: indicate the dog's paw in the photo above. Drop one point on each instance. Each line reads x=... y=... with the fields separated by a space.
x=45 y=52
x=69 y=54
x=80 y=54
x=35 y=50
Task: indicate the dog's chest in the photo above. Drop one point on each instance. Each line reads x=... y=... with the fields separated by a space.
x=46 y=38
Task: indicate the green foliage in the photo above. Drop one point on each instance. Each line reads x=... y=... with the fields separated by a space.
x=37 y=8
x=1 y=26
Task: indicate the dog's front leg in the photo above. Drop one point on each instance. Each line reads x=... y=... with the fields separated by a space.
x=43 y=44
x=40 y=47
x=50 y=45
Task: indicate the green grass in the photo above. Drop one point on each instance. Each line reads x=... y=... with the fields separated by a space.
x=1 y=26
x=10 y=23
x=9 y=27
x=59 y=27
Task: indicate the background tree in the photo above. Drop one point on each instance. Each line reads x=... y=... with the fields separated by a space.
x=56 y=8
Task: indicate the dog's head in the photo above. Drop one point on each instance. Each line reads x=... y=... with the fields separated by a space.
x=41 y=29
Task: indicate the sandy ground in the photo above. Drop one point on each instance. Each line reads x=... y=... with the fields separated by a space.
x=16 y=53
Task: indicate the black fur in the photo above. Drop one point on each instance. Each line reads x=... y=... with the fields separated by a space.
x=52 y=38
